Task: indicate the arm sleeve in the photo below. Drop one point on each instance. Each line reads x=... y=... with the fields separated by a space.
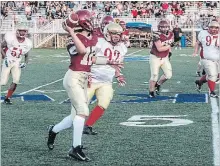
x=156 y=37
x=199 y=37
x=8 y=37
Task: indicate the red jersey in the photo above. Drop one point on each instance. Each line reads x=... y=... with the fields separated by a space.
x=165 y=40
x=126 y=32
x=98 y=32
x=82 y=62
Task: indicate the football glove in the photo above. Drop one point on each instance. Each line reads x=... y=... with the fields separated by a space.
x=121 y=80
x=172 y=44
x=170 y=54
x=22 y=65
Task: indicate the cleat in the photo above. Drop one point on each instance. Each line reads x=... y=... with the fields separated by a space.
x=213 y=94
x=198 y=85
x=157 y=89
x=51 y=137
x=151 y=95
x=89 y=130
x=198 y=74
x=7 y=101
x=78 y=154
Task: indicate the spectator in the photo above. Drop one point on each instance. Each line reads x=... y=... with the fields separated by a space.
x=134 y=12
x=177 y=36
x=165 y=7
x=115 y=12
x=27 y=9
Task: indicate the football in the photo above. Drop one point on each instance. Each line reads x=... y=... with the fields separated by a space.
x=72 y=20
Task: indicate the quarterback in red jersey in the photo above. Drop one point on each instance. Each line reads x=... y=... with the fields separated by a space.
x=81 y=48
x=159 y=57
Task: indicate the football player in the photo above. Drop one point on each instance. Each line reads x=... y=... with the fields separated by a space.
x=209 y=40
x=105 y=21
x=125 y=36
x=81 y=48
x=15 y=45
x=159 y=57
x=102 y=75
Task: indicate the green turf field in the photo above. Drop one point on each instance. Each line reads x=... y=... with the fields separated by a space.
x=168 y=133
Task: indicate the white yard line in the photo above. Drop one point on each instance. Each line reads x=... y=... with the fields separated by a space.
x=215 y=132
x=134 y=52
x=40 y=86
x=49 y=98
x=174 y=100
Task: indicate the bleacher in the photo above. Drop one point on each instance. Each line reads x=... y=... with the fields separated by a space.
x=45 y=32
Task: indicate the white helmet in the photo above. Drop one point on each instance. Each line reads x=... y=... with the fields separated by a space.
x=213 y=27
x=113 y=33
x=21 y=30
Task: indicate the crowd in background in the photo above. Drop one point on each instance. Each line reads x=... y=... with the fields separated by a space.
x=136 y=9
x=43 y=12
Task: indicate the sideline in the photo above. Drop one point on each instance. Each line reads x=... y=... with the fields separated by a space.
x=215 y=132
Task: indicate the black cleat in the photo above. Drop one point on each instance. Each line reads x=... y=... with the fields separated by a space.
x=151 y=94
x=51 y=137
x=198 y=85
x=157 y=89
x=89 y=130
x=7 y=101
x=213 y=94
x=78 y=154
x=198 y=74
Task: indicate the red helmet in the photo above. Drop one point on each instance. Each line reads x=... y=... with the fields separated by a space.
x=163 y=26
x=105 y=21
x=85 y=20
x=123 y=24
x=213 y=27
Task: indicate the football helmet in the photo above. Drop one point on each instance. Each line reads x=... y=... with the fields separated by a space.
x=85 y=20
x=213 y=27
x=105 y=21
x=21 y=31
x=163 y=26
x=123 y=24
x=113 y=33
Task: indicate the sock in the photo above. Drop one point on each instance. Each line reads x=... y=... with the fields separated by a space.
x=78 y=125
x=157 y=84
x=203 y=79
x=9 y=94
x=211 y=85
x=95 y=115
x=66 y=123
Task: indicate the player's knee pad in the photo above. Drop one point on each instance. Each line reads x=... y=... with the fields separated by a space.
x=213 y=78
x=168 y=75
x=83 y=110
x=154 y=77
x=2 y=83
x=104 y=103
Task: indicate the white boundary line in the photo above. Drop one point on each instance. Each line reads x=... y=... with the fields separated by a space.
x=206 y=98
x=215 y=132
